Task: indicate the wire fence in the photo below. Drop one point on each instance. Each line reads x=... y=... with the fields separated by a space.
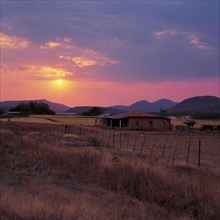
x=193 y=148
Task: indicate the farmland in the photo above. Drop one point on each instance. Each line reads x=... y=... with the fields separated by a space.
x=91 y=173
x=53 y=119
x=89 y=121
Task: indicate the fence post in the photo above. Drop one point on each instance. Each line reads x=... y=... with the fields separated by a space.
x=199 y=153
x=164 y=146
x=135 y=142
x=127 y=140
x=109 y=136
x=187 y=157
x=143 y=143
x=113 y=140
x=154 y=144
x=65 y=129
x=174 y=153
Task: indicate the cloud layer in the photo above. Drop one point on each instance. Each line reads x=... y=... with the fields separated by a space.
x=110 y=41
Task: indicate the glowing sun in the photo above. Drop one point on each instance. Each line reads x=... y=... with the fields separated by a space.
x=59 y=81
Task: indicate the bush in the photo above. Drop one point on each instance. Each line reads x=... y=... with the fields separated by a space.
x=190 y=123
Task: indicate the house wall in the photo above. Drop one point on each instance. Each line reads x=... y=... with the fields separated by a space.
x=149 y=124
x=99 y=121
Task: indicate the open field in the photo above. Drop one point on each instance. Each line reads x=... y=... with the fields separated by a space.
x=90 y=121
x=53 y=119
x=90 y=173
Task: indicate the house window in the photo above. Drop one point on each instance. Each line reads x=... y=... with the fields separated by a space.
x=137 y=123
x=151 y=123
x=96 y=121
x=100 y=121
x=164 y=123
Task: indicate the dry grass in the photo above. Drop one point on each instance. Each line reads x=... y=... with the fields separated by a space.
x=46 y=174
x=54 y=119
x=198 y=124
x=89 y=121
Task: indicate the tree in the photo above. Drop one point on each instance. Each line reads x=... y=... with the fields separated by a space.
x=2 y=111
x=163 y=112
x=190 y=123
x=33 y=108
x=94 y=111
x=21 y=107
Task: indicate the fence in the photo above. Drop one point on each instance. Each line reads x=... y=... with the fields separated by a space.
x=172 y=146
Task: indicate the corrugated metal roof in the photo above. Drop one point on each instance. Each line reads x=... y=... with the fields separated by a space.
x=134 y=114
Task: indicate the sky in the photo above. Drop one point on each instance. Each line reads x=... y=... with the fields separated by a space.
x=109 y=52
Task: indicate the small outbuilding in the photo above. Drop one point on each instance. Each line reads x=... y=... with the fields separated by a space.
x=136 y=120
x=99 y=118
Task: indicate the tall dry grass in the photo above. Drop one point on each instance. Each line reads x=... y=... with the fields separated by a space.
x=43 y=176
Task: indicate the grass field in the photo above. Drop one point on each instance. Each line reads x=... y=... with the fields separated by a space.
x=83 y=174
x=89 y=121
x=54 y=119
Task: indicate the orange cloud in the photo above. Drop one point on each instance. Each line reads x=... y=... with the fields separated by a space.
x=83 y=61
x=12 y=42
x=48 y=72
x=51 y=44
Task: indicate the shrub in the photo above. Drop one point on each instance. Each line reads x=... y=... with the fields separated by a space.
x=190 y=123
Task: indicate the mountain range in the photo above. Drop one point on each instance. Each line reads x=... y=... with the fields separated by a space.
x=146 y=106
x=193 y=104
x=198 y=103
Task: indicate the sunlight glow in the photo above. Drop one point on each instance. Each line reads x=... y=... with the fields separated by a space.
x=59 y=81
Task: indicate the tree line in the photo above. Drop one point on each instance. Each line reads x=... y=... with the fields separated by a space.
x=32 y=107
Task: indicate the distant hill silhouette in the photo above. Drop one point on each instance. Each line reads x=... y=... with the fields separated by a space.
x=198 y=103
x=146 y=106
x=81 y=109
x=57 y=107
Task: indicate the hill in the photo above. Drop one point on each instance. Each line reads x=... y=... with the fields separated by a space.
x=57 y=107
x=81 y=109
x=198 y=103
x=146 y=106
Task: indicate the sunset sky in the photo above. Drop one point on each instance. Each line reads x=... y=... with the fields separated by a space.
x=109 y=52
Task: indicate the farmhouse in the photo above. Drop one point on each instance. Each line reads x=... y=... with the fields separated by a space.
x=99 y=118
x=136 y=120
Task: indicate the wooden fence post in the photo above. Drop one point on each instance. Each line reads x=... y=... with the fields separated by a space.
x=65 y=129
x=143 y=143
x=135 y=142
x=174 y=153
x=113 y=139
x=109 y=136
x=151 y=151
x=187 y=157
x=127 y=140
x=164 y=146
x=199 y=161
